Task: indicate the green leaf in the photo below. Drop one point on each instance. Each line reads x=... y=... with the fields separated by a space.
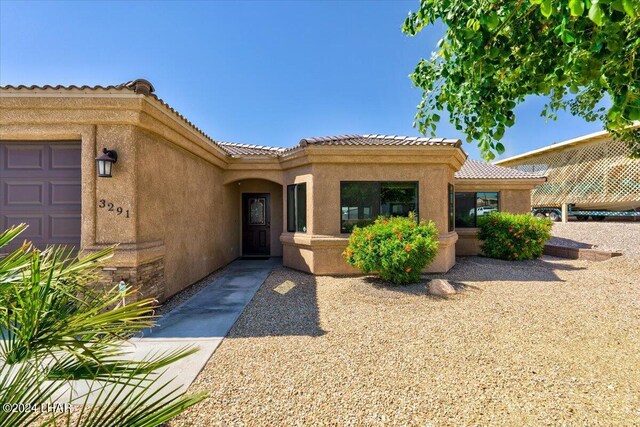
x=567 y=36
x=500 y=148
x=613 y=113
x=492 y=21
x=546 y=8
x=596 y=14
x=631 y=7
x=576 y=7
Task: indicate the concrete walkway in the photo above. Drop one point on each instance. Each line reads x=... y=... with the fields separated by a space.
x=202 y=321
x=212 y=312
x=205 y=318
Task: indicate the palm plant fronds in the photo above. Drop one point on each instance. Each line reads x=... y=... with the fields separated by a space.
x=20 y=385
x=58 y=329
x=140 y=400
x=110 y=364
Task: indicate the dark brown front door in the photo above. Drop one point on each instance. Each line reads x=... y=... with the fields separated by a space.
x=40 y=186
x=256 y=224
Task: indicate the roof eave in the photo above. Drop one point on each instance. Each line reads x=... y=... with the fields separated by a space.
x=563 y=144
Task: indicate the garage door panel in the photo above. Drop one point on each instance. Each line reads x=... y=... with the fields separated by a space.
x=63 y=227
x=21 y=193
x=65 y=157
x=40 y=185
x=34 y=232
x=65 y=193
x=29 y=157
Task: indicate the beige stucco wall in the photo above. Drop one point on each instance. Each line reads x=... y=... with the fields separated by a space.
x=516 y=201
x=183 y=196
x=320 y=249
x=182 y=204
x=162 y=236
x=514 y=197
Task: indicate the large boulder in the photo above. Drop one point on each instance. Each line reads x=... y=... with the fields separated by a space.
x=440 y=287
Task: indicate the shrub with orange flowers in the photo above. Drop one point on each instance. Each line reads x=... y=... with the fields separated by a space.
x=395 y=248
x=513 y=237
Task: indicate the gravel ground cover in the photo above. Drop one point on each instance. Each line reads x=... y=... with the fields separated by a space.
x=545 y=342
x=612 y=236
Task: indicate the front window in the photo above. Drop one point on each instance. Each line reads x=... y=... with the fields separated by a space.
x=471 y=206
x=297 y=207
x=362 y=202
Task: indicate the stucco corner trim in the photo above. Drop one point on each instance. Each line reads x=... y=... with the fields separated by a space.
x=448 y=239
x=131 y=254
x=465 y=232
x=312 y=240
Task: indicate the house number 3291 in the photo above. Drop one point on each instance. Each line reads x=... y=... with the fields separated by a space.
x=103 y=204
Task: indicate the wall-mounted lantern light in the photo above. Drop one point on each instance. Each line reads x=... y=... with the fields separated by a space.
x=105 y=161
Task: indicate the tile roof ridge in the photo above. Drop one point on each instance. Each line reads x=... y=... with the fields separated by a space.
x=138 y=86
x=400 y=138
x=244 y=145
x=121 y=86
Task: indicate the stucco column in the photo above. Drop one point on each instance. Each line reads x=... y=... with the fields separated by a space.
x=433 y=194
x=116 y=196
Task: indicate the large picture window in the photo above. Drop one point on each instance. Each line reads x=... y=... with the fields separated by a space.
x=470 y=206
x=362 y=202
x=297 y=207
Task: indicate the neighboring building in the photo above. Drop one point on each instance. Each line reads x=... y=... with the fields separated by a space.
x=181 y=205
x=592 y=172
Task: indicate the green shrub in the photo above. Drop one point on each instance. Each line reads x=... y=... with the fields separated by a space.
x=513 y=237
x=395 y=248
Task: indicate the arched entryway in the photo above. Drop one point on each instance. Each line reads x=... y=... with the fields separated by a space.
x=260 y=215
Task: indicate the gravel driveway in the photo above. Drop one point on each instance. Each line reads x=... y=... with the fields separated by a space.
x=613 y=236
x=543 y=342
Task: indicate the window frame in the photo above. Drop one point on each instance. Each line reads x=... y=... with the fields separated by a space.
x=475 y=205
x=451 y=207
x=293 y=228
x=379 y=188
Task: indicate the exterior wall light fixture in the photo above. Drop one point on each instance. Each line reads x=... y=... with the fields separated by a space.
x=105 y=162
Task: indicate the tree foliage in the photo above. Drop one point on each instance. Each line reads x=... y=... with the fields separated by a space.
x=495 y=53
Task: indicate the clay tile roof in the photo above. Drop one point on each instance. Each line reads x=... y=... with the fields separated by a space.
x=474 y=169
x=375 y=140
x=144 y=87
x=63 y=87
x=138 y=86
x=234 y=149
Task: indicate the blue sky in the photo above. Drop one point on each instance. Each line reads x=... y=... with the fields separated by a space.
x=264 y=73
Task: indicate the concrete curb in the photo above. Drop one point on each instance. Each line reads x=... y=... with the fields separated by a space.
x=579 y=253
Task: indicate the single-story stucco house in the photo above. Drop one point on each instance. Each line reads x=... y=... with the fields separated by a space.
x=181 y=204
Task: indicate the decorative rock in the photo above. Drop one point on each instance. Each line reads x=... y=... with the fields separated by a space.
x=440 y=287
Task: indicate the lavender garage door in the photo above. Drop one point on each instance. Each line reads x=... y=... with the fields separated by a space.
x=40 y=186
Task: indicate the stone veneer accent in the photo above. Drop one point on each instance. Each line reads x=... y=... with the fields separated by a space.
x=147 y=279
